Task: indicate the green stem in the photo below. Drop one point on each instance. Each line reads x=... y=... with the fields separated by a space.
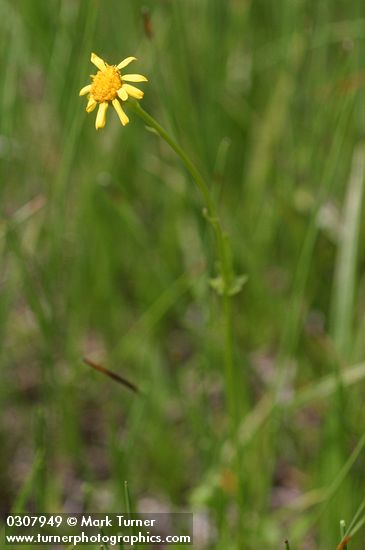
x=343 y=532
x=223 y=255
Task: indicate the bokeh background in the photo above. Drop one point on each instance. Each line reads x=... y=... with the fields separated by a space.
x=105 y=254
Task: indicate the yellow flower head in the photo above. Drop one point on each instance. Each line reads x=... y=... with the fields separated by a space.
x=109 y=86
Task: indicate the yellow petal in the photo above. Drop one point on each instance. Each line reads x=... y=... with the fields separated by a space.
x=122 y=116
x=126 y=62
x=101 y=115
x=85 y=90
x=91 y=105
x=122 y=94
x=98 y=62
x=134 y=78
x=133 y=91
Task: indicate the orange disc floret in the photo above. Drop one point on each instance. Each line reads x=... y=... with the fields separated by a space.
x=106 y=84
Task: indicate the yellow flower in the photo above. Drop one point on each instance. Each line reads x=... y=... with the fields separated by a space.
x=110 y=86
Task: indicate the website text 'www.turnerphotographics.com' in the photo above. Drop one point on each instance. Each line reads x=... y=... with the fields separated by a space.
x=101 y=529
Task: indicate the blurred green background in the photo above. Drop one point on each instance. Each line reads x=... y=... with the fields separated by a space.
x=105 y=254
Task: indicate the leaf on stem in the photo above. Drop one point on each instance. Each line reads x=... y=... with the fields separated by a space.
x=218 y=284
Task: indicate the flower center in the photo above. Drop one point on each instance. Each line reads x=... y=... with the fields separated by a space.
x=105 y=84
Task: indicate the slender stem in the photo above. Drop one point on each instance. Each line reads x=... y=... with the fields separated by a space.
x=128 y=505
x=223 y=255
x=343 y=532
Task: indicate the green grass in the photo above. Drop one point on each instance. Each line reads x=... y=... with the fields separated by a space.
x=105 y=253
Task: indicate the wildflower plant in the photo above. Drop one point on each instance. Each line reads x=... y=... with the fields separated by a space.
x=110 y=86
